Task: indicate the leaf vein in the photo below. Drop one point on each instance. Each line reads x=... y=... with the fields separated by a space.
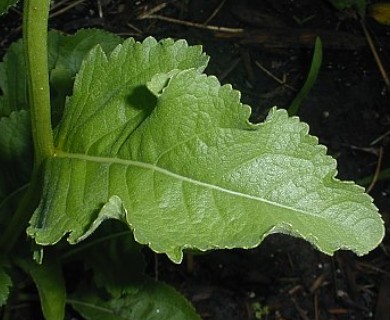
x=149 y=166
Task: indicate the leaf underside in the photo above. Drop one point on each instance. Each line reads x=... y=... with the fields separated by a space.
x=148 y=139
x=66 y=53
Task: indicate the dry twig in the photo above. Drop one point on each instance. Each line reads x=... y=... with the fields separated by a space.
x=278 y=80
x=190 y=24
x=63 y=10
x=231 y=67
x=215 y=12
x=377 y=170
x=152 y=11
x=375 y=54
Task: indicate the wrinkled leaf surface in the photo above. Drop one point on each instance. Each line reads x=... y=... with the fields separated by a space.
x=149 y=140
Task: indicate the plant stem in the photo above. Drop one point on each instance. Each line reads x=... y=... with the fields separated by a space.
x=36 y=14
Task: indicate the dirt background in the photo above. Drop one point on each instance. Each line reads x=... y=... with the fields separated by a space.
x=265 y=53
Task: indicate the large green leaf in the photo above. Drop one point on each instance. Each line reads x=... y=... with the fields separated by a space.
x=185 y=168
x=152 y=301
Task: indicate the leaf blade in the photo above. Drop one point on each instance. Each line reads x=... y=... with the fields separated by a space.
x=193 y=172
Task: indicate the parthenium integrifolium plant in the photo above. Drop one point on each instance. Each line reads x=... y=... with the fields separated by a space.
x=137 y=133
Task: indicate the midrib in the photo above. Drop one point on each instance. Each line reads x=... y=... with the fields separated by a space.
x=144 y=165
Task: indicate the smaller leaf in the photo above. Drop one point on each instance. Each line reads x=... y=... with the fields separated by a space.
x=9 y=201
x=127 y=264
x=66 y=53
x=13 y=80
x=49 y=281
x=16 y=157
x=15 y=137
x=6 y=4
x=358 y=5
x=153 y=301
x=72 y=49
x=5 y=282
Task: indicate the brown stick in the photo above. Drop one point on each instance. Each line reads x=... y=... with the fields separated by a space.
x=191 y=24
x=375 y=54
x=282 y=38
x=215 y=12
x=377 y=171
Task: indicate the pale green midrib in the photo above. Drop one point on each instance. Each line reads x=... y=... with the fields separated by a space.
x=145 y=165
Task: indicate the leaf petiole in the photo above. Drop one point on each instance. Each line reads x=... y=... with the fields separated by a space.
x=36 y=15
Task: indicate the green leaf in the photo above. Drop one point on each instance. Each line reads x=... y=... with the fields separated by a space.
x=5 y=282
x=359 y=5
x=6 y=4
x=16 y=160
x=50 y=284
x=69 y=51
x=126 y=261
x=152 y=301
x=15 y=136
x=66 y=52
x=13 y=80
x=187 y=166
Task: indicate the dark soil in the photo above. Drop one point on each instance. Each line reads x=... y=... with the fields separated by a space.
x=348 y=109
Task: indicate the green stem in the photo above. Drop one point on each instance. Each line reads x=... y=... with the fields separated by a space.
x=36 y=15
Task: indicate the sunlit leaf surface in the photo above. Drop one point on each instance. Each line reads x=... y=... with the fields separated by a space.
x=150 y=140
